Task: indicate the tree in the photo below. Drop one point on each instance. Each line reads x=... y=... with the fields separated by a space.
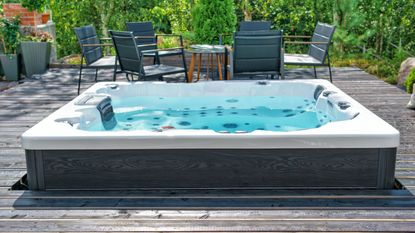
x=212 y=18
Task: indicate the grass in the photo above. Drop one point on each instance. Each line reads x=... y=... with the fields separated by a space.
x=386 y=70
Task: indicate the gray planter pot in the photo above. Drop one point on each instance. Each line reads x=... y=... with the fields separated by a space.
x=36 y=57
x=10 y=64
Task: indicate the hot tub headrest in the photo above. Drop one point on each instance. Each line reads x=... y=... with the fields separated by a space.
x=317 y=92
x=104 y=106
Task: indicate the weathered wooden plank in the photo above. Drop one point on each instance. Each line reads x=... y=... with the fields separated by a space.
x=213 y=193
x=204 y=214
x=209 y=203
x=206 y=225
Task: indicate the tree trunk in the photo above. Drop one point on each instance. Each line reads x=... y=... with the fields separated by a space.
x=106 y=9
x=247 y=10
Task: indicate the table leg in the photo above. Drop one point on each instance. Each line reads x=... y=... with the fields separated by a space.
x=199 y=66
x=191 y=68
x=225 y=70
x=207 y=67
x=218 y=60
x=211 y=66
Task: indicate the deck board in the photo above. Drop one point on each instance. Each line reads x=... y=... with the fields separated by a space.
x=231 y=210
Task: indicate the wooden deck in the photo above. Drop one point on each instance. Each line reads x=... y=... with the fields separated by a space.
x=202 y=210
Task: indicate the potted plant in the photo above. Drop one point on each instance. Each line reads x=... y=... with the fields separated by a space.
x=9 y=40
x=35 y=47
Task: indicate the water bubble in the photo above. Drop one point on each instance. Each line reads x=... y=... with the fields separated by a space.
x=287 y=110
x=289 y=115
x=184 y=123
x=232 y=100
x=230 y=125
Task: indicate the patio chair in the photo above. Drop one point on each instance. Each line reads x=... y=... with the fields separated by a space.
x=130 y=56
x=254 y=26
x=92 y=52
x=144 y=34
x=318 y=49
x=257 y=53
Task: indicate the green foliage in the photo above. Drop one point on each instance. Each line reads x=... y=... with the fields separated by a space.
x=9 y=34
x=410 y=81
x=212 y=18
x=34 y=5
x=376 y=35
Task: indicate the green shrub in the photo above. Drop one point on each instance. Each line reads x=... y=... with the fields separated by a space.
x=212 y=18
x=9 y=34
x=34 y=5
x=410 y=81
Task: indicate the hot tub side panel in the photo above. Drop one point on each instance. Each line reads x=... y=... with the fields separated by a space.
x=211 y=168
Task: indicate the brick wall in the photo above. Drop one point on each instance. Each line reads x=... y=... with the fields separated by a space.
x=28 y=18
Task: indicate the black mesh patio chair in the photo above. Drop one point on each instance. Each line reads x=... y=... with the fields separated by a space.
x=144 y=35
x=257 y=53
x=130 y=56
x=92 y=52
x=254 y=26
x=318 y=51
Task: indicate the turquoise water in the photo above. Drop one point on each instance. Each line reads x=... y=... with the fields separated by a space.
x=231 y=114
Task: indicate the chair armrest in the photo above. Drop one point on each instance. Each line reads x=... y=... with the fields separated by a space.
x=160 y=50
x=295 y=36
x=106 y=38
x=305 y=42
x=144 y=37
x=94 y=45
x=145 y=45
x=167 y=35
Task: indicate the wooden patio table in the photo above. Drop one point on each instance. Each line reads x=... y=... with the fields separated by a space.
x=211 y=51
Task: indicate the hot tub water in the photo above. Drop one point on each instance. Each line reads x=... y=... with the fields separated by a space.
x=225 y=114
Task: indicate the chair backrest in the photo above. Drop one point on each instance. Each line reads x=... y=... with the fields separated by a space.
x=258 y=51
x=255 y=26
x=127 y=52
x=88 y=35
x=322 y=33
x=144 y=29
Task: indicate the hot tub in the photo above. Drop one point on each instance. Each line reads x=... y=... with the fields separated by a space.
x=224 y=134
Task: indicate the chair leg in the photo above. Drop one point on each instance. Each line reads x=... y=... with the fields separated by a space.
x=328 y=62
x=315 y=72
x=114 y=75
x=79 y=79
x=331 y=78
x=126 y=76
x=80 y=74
x=96 y=75
x=185 y=67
